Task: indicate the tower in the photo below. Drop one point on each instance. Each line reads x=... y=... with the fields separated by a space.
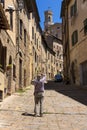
x=48 y=19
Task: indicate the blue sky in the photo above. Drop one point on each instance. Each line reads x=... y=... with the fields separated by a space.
x=54 y=5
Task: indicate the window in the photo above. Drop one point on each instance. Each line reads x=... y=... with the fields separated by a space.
x=24 y=37
x=74 y=37
x=35 y=57
x=74 y=9
x=37 y=43
x=51 y=58
x=58 y=27
x=14 y=71
x=32 y=32
x=49 y=19
x=21 y=24
x=59 y=56
x=85 y=26
x=56 y=64
x=3 y=51
x=35 y=38
x=57 y=53
x=60 y=65
x=11 y=20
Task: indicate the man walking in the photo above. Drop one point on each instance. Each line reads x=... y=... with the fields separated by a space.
x=39 y=93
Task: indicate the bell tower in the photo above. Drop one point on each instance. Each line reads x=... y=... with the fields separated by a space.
x=48 y=19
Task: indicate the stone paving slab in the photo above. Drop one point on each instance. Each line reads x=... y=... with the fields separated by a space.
x=61 y=112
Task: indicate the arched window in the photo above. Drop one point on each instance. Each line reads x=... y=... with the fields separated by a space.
x=49 y=19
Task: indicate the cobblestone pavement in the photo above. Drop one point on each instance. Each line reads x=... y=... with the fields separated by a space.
x=65 y=108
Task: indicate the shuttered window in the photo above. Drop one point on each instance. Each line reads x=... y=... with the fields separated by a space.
x=74 y=37
x=3 y=51
x=73 y=9
x=14 y=71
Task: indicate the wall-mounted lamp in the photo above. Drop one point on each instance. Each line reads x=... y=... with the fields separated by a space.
x=11 y=9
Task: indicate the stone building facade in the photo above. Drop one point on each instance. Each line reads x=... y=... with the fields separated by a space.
x=23 y=49
x=14 y=46
x=37 y=48
x=58 y=49
x=3 y=50
x=77 y=38
x=65 y=39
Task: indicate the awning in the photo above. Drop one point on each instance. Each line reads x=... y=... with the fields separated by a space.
x=3 y=20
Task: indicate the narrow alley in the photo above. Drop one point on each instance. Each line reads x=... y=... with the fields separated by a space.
x=65 y=108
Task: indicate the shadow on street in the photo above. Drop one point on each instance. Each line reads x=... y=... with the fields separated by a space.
x=71 y=91
x=27 y=114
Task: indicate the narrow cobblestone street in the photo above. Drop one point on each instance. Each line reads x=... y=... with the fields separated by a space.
x=65 y=108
